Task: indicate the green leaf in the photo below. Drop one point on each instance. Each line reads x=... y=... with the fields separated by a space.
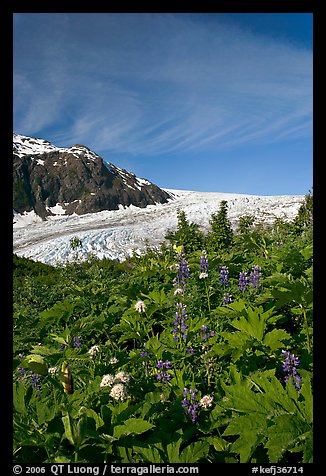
x=36 y=363
x=219 y=443
x=274 y=338
x=19 y=397
x=134 y=426
x=251 y=430
x=150 y=455
x=45 y=411
x=68 y=426
x=173 y=451
x=96 y=417
x=194 y=452
x=282 y=435
x=307 y=406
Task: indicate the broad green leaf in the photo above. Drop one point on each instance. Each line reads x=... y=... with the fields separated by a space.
x=282 y=435
x=134 y=426
x=274 y=338
x=45 y=411
x=149 y=455
x=173 y=450
x=96 y=417
x=219 y=443
x=251 y=429
x=36 y=363
x=19 y=397
x=68 y=426
x=194 y=452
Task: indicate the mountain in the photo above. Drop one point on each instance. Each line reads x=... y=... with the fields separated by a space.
x=52 y=181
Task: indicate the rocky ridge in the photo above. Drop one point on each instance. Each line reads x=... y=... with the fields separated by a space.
x=50 y=180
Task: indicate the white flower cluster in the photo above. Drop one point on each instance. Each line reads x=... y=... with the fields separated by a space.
x=122 y=376
x=178 y=291
x=53 y=370
x=140 y=306
x=117 y=382
x=113 y=360
x=206 y=401
x=94 y=350
x=119 y=392
x=107 y=381
x=203 y=276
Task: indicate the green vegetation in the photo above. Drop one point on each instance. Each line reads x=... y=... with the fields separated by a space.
x=177 y=356
x=20 y=195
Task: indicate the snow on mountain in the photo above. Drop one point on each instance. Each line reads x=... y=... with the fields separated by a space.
x=117 y=234
x=24 y=145
x=53 y=181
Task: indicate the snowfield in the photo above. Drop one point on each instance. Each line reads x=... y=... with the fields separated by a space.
x=121 y=233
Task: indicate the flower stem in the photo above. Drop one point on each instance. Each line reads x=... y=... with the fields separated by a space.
x=307 y=328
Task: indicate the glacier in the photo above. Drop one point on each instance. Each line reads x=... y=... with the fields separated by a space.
x=119 y=234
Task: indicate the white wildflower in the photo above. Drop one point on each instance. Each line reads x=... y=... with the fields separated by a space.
x=203 y=276
x=119 y=392
x=113 y=360
x=53 y=370
x=122 y=376
x=107 y=381
x=94 y=350
x=206 y=401
x=178 y=291
x=140 y=306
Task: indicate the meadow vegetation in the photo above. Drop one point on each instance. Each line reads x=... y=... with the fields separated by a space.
x=201 y=351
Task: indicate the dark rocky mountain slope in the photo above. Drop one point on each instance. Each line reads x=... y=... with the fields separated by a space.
x=52 y=180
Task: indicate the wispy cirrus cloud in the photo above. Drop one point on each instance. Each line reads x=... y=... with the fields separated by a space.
x=157 y=83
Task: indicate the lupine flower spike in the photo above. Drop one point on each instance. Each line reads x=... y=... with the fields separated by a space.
x=183 y=272
x=180 y=326
x=255 y=276
x=203 y=266
x=243 y=281
x=289 y=366
x=190 y=404
x=224 y=275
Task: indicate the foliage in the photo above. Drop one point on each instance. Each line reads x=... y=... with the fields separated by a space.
x=304 y=217
x=187 y=234
x=221 y=235
x=115 y=362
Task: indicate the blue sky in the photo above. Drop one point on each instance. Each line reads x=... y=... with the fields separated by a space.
x=207 y=102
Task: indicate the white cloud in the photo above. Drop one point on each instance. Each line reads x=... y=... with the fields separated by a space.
x=147 y=84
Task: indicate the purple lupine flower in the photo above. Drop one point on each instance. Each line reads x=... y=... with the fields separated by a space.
x=289 y=366
x=21 y=370
x=35 y=381
x=243 y=281
x=190 y=350
x=203 y=264
x=189 y=403
x=63 y=347
x=227 y=299
x=163 y=376
x=145 y=354
x=224 y=275
x=77 y=343
x=183 y=272
x=205 y=335
x=254 y=276
x=180 y=326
